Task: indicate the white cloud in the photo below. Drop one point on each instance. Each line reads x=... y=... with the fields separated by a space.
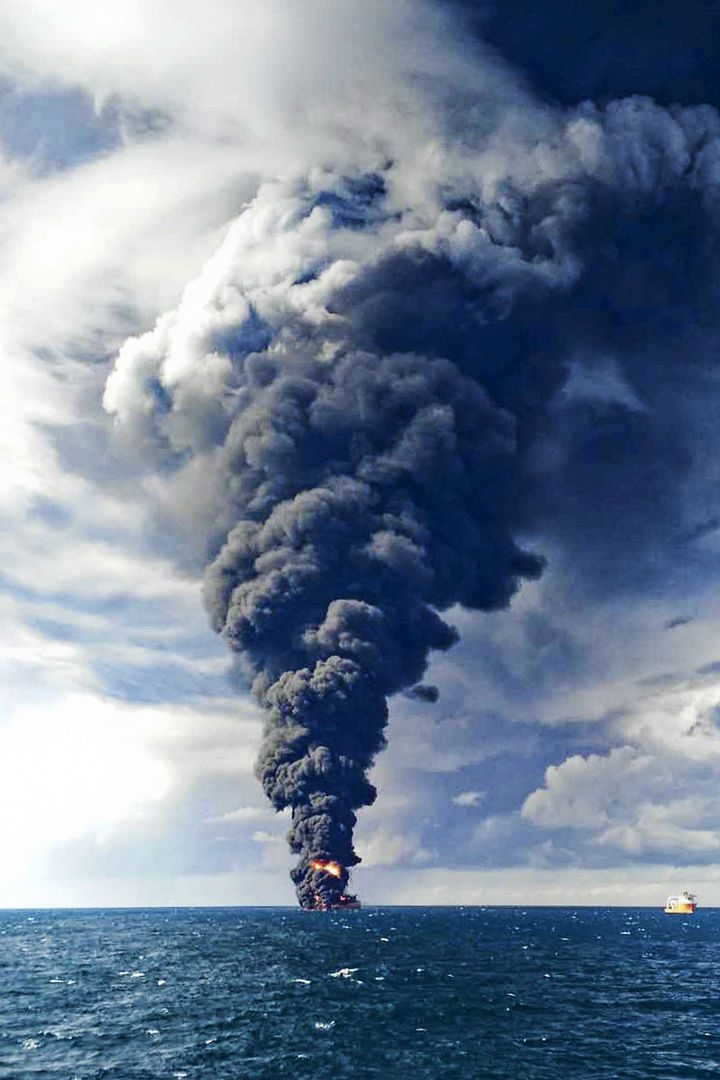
x=87 y=253
x=84 y=767
x=262 y=836
x=641 y=885
x=385 y=846
x=246 y=73
x=110 y=238
x=88 y=782
x=242 y=815
x=469 y=798
x=29 y=661
x=654 y=794
x=583 y=791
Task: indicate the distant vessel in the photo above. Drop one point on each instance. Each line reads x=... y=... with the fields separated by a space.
x=681 y=905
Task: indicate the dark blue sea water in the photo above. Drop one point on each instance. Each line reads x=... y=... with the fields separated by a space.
x=397 y=992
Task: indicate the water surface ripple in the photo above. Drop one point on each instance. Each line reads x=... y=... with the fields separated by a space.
x=417 y=993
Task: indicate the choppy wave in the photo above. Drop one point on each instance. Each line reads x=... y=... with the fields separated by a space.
x=468 y=993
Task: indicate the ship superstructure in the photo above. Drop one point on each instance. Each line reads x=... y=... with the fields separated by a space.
x=685 y=904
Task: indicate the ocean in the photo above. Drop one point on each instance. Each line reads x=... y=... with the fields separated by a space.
x=400 y=993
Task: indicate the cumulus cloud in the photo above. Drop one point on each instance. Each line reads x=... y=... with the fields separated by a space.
x=654 y=795
x=385 y=846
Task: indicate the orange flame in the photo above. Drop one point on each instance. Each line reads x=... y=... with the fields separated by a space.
x=332 y=868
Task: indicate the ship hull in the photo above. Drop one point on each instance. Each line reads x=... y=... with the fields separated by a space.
x=682 y=904
x=354 y=905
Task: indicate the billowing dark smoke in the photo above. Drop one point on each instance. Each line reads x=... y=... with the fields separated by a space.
x=375 y=490
x=359 y=384
x=424 y=692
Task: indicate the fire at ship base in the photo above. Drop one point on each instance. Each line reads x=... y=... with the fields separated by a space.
x=347 y=902
x=324 y=902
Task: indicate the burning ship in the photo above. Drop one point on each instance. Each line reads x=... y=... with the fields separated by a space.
x=331 y=898
x=346 y=902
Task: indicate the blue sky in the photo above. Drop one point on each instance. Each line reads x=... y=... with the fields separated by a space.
x=159 y=165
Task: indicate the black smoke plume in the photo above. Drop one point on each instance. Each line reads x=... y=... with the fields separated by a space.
x=424 y=692
x=380 y=485
x=362 y=382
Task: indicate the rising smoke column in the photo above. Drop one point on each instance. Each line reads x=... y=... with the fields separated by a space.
x=374 y=497
x=338 y=382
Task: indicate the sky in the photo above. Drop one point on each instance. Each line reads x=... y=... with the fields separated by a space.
x=525 y=200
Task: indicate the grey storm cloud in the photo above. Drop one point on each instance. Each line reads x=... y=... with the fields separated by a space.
x=361 y=385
